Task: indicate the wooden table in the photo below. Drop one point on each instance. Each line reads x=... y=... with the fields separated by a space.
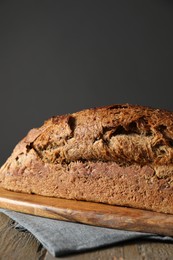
x=18 y=245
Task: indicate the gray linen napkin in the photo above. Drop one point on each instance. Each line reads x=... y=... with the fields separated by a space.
x=61 y=238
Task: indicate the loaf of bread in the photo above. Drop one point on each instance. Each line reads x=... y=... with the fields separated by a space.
x=119 y=155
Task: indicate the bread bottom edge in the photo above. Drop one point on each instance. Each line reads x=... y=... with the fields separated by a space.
x=133 y=186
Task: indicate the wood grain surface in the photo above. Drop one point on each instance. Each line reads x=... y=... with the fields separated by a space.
x=89 y=213
x=16 y=244
x=22 y=245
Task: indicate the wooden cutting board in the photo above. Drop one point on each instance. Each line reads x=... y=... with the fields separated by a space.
x=88 y=213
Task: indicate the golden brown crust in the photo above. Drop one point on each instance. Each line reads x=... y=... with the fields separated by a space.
x=122 y=133
x=119 y=136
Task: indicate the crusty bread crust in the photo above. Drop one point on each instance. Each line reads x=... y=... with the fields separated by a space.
x=120 y=154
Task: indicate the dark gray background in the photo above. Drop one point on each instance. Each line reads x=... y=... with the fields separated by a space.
x=58 y=57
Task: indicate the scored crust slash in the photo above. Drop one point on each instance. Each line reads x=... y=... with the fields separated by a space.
x=119 y=155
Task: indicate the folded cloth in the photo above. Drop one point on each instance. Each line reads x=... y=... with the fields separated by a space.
x=62 y=238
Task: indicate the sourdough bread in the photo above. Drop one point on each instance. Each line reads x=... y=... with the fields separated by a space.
x=120 y=155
